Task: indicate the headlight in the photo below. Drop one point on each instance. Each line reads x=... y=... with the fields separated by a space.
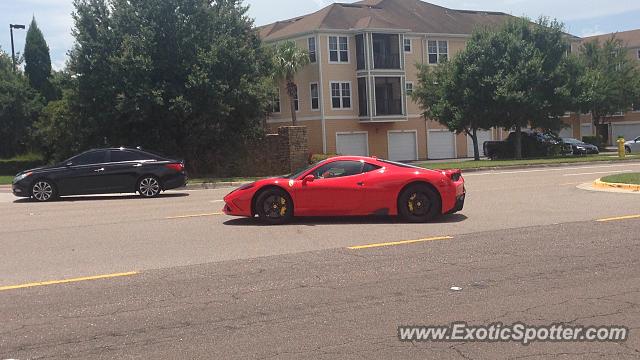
x=21 y=177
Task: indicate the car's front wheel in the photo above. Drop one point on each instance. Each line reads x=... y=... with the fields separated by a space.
x=419 y=203
x=274 y=206
x=149 y=186
x=43 y=190
x=627 y=150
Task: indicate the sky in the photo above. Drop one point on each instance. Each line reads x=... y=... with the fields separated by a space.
x=581 y=17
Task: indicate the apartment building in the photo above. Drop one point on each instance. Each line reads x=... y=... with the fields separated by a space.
x=625 y=124
x=354 y=96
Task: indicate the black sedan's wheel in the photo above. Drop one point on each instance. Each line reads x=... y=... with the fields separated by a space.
x=149 y=186
x=419 y=203
x=627 y=150
x=43 y=190
x=274 y=206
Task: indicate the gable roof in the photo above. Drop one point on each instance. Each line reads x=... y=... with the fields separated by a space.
x=630 y=39
x=403 y=15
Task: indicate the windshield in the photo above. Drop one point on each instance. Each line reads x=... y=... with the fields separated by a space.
x=296 y=174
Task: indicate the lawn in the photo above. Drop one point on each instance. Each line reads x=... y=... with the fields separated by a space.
x=632 y=178
x=470 y=164
x=5 y=180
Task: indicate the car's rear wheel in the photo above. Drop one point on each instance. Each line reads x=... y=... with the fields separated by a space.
x=149 y=186
x=274 y=206
x=419 y=203
x=43 y=190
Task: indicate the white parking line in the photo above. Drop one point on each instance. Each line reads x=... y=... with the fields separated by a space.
x=549 y=169
x=599 y=172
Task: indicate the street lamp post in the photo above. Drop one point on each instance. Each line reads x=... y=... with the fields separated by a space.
x=13 y=50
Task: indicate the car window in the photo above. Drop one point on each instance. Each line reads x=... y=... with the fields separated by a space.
x=92 y=157
x=369 y=167
x=124 y=155
x=338 y=169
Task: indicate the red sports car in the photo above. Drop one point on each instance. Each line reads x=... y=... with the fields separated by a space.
x=351 y=186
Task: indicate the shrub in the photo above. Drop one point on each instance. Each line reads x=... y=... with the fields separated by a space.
x=593 y=140
x=314 y=158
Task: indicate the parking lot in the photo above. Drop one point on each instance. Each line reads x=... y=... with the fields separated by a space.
x=173 y=275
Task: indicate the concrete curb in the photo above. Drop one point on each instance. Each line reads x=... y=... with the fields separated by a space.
x=599 y=184
x=555 y=165
x=212 y=185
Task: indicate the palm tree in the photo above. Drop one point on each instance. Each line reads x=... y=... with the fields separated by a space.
x=288 y=60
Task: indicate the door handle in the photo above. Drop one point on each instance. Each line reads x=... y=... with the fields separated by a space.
x=137 y=165
x=360 y=183
x=99 y=170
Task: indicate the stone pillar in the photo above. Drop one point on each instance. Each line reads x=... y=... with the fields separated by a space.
x=296 y=146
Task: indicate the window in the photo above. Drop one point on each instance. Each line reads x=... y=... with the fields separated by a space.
x=312 y=49
x=369 y=167
x=388 y=91
x=92 y=157
x=123 y=155
x=338 y=169
x=315 y=97
x=363 y=99
x=275 y=102
x=386 y=51
x=341 y=95
x=360 y=56
x=407 y=45
x=338 y=49
x=409 y=87
x=438 y=51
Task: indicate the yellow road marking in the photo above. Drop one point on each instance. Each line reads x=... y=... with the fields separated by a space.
x=56 y=282
x=619 y=218
x=399 y=243
x=193 y=216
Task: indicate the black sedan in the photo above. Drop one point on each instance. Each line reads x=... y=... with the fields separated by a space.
x=581 y=148
x=102 y=171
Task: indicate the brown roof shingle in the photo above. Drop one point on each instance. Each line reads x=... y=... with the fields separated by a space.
x=412 y=15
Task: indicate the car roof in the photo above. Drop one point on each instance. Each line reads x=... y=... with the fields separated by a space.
x=353 y=158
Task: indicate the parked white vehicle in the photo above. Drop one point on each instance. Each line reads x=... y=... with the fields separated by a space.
x=632 y=146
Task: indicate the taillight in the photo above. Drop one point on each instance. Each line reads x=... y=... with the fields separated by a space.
x=177 y=167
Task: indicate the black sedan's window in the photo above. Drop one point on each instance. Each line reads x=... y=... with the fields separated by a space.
x=124 y=155
x=92 y=157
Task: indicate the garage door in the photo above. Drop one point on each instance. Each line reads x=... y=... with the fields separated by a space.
x=483 y=135
x=628 y=131
x=441 y=145
x=586 y=130
x=352 y=144
x=566 y=132
x=402 y=146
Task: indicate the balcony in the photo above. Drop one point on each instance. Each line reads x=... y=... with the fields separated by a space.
x=384 y=50
x=386 y=99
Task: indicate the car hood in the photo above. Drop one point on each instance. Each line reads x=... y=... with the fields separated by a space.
x=41 y=168
x=588 y=146
x=629 y=142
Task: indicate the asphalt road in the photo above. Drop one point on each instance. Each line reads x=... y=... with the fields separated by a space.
x=198 y=284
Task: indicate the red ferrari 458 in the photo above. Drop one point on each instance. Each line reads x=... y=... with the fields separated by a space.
x=351 y=186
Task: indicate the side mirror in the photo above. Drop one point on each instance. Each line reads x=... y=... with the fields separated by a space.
x=308 y=178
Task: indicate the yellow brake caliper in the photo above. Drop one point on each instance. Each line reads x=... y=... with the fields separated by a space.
x=283 y=209
x=411 y=202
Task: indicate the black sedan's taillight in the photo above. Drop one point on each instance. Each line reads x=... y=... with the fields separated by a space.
x=176 y=166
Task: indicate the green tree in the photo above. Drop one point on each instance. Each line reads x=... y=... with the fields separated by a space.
x=456 y=93
x=185 y=77
x=288 y=60
x=20 y=105
x=610 y=82
x=37 y=60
